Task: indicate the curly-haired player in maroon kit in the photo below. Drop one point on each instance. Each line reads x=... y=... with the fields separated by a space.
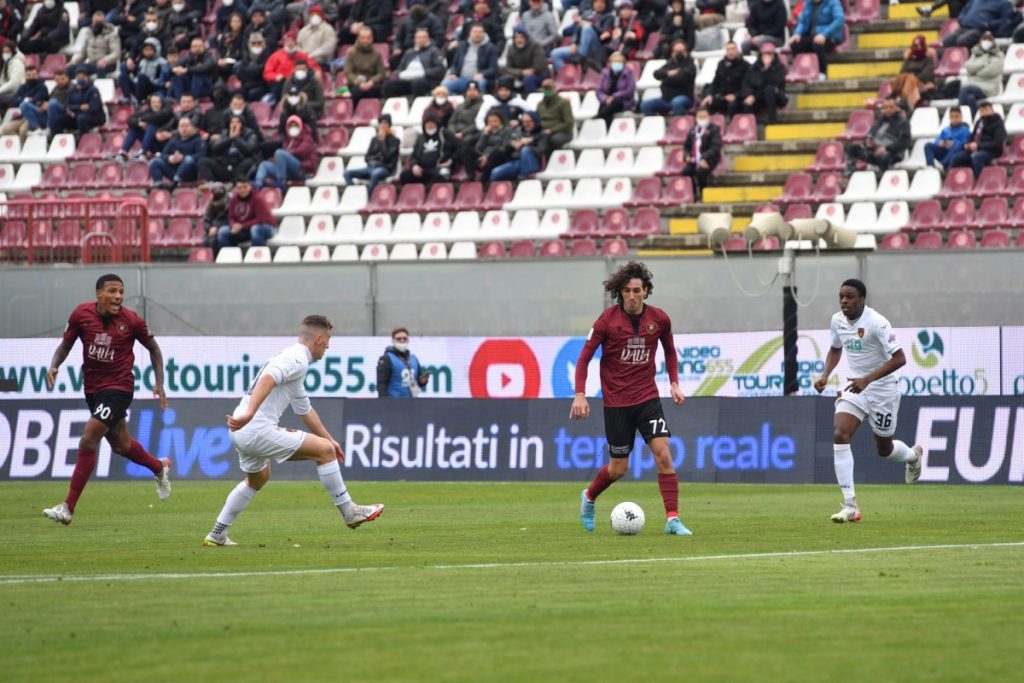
x=628 y=334
x=108 y=332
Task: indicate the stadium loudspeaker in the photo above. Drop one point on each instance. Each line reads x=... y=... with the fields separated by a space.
x=716 y=226
x=767 y=223
x=840 y=238
x=809 y=228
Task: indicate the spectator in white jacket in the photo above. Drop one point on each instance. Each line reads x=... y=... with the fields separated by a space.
x=98 y=48
x=317 y=38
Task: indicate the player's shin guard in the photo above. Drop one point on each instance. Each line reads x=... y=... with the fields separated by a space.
x=334 y=484
x=84 y=465
x=237 y=501
x=602 y=481
x=901 y=452
x=844 y=470
x=669 y=485
x=138 y=455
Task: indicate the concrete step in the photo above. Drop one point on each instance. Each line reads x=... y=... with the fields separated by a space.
x=917 y=24
x=909 y=11
x=759 y=163
x=741 y=193
x=872 y=83
x=818 y=115
x=840 y=72
x=787 y=146
x=655 y=250
x=803 y=131
x=868 y=55
x=892 y=39
x=833 y=100
x=668 y=244
x=688 y=225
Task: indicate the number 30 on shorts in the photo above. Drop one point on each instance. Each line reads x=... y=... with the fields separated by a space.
x=883 y=420
x=658 y=426
x=102 y=412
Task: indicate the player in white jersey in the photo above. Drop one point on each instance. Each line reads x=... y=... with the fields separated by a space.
x=873 y=354
x=259 y=440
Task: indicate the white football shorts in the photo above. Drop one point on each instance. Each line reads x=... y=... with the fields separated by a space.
x=258 y=446
x=878 y=405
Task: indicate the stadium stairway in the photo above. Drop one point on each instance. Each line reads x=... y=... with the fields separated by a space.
x=755 y=172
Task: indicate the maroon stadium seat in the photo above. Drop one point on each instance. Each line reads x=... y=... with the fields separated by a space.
x=646 y=222
x=201 y=255
x=742 y=128
x=498 y=195
x=439 y=198
x=958 y=183
x=927 y=216
x=410 y=199
x=113 y=142
x=553 y=248
x=614 y=248
x=928 y=240
x=798 y=211
x=650 y=46
x=734 y=244
x=864 y=10
x=857 y=126
x=51 y=65
x=994 y=213
x=799 y=187
x=647 y=192
x=264 y=114
x=804 y=68
x=678 y=128
x=677 y=192
x=830 y=157
x=568 y=78
x=492 y=250
x=523 y=249
x=897 y=242
x=338 y=113
x=335 y=140
x=673 y=163
x=82 y=175
x=995 y=239
x=160 y=203
x=1016 y=219
x=136 y=174
x=55 y=177
x=1015 y=187
x=156 y=232
x=963 y=239
x=89 y=148
x=272 y=195
x=585 y=247
x=179 y=233
x=13 y=238
x=109 y=176
x=769 y=243
x=69 y=234
x=469 y=198
x=1020 y=240
x=584 y=223
x=382 y=199
x=1014 y=155
x=366 y=112
x=959 y=214
x=827 y=188
x=953 y=60
x=186 y=203
x=118 y=119
x=615 y=222
x=991 y=182
x=42 y=235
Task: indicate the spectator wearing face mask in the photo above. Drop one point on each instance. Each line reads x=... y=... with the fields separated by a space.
x=764 y=86
x=617 y=89
x=984 y=73
x=399 y=373
x=916 y=80
x=12 y=75
x=281 y=64
x=702 y=151
x=306 y=81
x=556 y=119
x=250 y=69
x=525 y=61
x=677 y=76
x=296 y=160
x=98 y=47
x=237 y=106
x=182 y=24
x=149 y=73
x=317 y=38
x=149 y=26
x=49 y=32
x=440 y=106
x=381 y=157
x=296 y=104
x=83 y=111
x=979 y=16
x=431 y=158
x=258 y=23
x=30 y=99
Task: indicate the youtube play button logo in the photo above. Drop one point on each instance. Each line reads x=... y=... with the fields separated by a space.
x=504 y=368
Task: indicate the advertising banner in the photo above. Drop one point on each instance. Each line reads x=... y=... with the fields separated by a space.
x=767 y=440
x=940 y=362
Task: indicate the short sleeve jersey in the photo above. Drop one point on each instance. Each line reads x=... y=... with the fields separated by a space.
x=869 y=343
x=108 y=346
x=629 y=347
x=288 y=368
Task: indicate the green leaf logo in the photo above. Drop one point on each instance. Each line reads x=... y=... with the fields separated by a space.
x=931 y=349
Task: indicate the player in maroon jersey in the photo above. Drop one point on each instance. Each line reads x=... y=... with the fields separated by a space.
x=628 y=335
x=108 y=332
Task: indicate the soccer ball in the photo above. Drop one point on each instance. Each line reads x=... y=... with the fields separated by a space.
x=627 y=519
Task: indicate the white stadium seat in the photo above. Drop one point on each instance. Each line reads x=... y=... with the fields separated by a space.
x=862 y=187
x=584 y=108
x=621 y=133
x=319 y=230
x=295 y=203
x=348 y=229
x=561 y=164
x=862 y=217
x=257 y=255
x=462 y=251
x=330 y=172
x=924 y=123
x=1013 y=62
x=290 y=231
x=435 y=226
x=62 y=146
x=374 y=252
x=529 y=194
x=10 y=147
x=925 y=184
x=29 y=175
x=617 y=192
x=359 y=143
x=557 y=194
x=651 y=131
x=494 y=225
x=377 y=228
x=647 y=79
x=1015 y=119
x=833 y=212
x=554 y=222
x=916 y=159
x=35 y=149
x=525 y=224
x=229 y=255
x=591 y=134
x=587 y=194
x=406 y=228
x=353 y=200
x=893 y=185
x=345 y=252
x=1014 y=91
x=465 y=226
x=706 y=74
x=648 y=161
x=589 y=163
x=892 y=217
x=288 y=253
x=323 y=200
x=619 y=162
x=316 y=253
x=432 y=251
x=404 y=251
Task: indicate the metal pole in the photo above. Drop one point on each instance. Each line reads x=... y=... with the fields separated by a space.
x=790 y=384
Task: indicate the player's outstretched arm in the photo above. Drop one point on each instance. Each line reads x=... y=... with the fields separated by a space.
x=312 y=422
x=259 y=394
x=58 y=357
x=831 y=361
x=156 y=358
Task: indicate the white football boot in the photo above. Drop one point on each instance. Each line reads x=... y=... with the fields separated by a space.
x=914 y=466
x=212 y=541
x=163 y=481
x=59 y=513
x=362 y=514
x=849 y=513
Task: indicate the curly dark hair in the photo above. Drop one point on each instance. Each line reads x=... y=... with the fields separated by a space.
x=633 y=269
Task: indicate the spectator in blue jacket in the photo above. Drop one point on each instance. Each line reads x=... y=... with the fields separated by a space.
x=475 y=60
x=950 y=141
x=83 y=110
x=819 y=29
x=979 y=16
x=586 y=47
x=30 y=99
x=179 y=160
x=399 y=373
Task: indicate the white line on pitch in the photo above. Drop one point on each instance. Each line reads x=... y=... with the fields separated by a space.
x=8 y=580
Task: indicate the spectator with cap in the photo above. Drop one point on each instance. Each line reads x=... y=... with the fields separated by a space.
x=702 y=151
x=364 y=68
x=766 y=23
x=525 y=61
x=677 y=24
x=617 y=89
x=431 y=158
x=476 y=59
x=504 y=100
x=556 y=119
x=764 y=86
x=249 y=218
x=440 y=106
x=420 y=70
x=306 y=81
x=297 y=159
x=677 y=76
x=258 y=23
x=84 y=109
x=540 y=24
x=462 y=124
x=381 y=158
x=317 y=38
x=250 y=69
x=295 y=103
x=987 y=141
x=281 y=65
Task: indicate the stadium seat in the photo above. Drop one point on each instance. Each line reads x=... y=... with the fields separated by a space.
x=287 y=254
x=583 y=247
x=434 y=251
x=829 y=157
x=201 y=255
x=290 y=230
x=348 y=229
x=335 y=140
x=159 y=203
x=404 y=251
x=621 y=133
x=831 y=211
x=492 y=250
x=10 y=148
x=963 y=239
x=583 y=108
x=406 y=227
x=862 y=217
x=338 y=113
x=51 y=65
x=916 y=159
x=857 y=126
x=495 y=225
x=864 y=10
x=1014 y=154
x=55 y=177
x=136 y=175
x=648 y=161
x=673 y=165
x=958 y=183
x=366 y=112
x=1015 y=119
x=229 y=255
x=529 y=194
x=804 y=68
x=924 y=123
x=617 y=192
x=470 y=197
x=316 y=253
x=319 y=230
x=360 y=141
x=927 y=216
x=646 y=222
x=569 y=77
x=82 y=175
x=439 y=198
x=377 y=228
x=614 y=223
x=862 y=187
x=272 y=196
x=1013 y=61
x=345 y=253
x=892 y=217
x=398 y=108
x=952 y=61
x=90 y=148
x=435 y=226
x=323 y=199
x=118 y=119
x=411 y=198
x=554 y=222
x=827 y=187
x=614 y=248
x=677 y=192
x=896 y=242
x=925 y=184
x=186 y=203
x=6 y=176
x=647 y=79
x=799 y=187
x=959 y=214
x=498 y=194
x=257 y=256
x=374 y=252
x=1013 y=92
x=706 y=73
x=646 y=53
x=561 y=164
x=893 y=185
x=994 y=213
x=353 y=200
x=462 y=251
x=414 y=116
x=991 y=182
x=557 y=194
x=928 y=240
x=331 y=171
x=465 y=226
x=296 y=202
x=995 y=239
x=587 y=194
x=734 y=244
x=553 y=248
x=679 y=127
x=647 y=192
x=522 y=249
x=795 y=211
x=584 y=223
x=651 y=131
x=382 y=199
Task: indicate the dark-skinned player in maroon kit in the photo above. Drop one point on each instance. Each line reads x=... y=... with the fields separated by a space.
x=628 y=334
x=108 y=332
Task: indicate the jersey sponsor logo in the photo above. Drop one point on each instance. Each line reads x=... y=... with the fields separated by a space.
x=100 y=349
x=855 y=345
x=636 y=351
x=504 y=368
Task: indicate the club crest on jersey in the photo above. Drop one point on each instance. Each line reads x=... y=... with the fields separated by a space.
x=122 y=328
x=636 y=351
x=860 y=332
x=651 y=328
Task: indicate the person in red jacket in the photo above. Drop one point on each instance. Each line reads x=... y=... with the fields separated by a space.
x=296 y=160
x=281 y=64
x=249 y=218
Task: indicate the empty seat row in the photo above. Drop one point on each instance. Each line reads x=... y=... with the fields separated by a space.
x=993 y=239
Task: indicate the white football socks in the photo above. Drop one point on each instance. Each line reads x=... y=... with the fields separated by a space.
x=237 y=500
x=844 y=471
x=901 y=452
x=330 y=477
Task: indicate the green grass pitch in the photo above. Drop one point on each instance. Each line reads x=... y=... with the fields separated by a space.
x=498 y=582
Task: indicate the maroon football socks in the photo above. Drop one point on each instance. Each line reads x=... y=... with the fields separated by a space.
x=84 y=466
